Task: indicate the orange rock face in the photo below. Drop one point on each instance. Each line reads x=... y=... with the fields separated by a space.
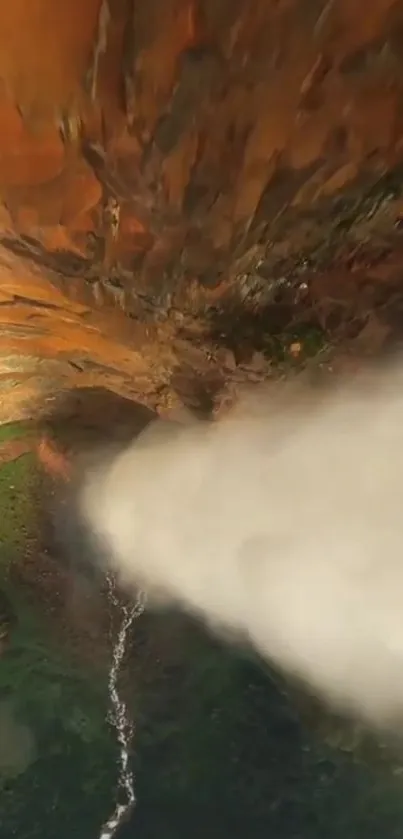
x=181 y=180
x=45 y=52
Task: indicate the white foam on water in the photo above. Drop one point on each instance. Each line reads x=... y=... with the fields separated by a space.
x=119 y=716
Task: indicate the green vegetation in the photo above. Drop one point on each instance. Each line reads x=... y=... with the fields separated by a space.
x=17 y=504
x=17 y=494
x=220 y=750
x=312 y=340
x=57 y=755
x=58 y=760
x=15 y=431
x=219 y=746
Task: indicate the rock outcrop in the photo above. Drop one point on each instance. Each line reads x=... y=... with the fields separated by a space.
x=185 y=182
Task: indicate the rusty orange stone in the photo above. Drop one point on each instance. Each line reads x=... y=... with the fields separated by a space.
x=27 y=157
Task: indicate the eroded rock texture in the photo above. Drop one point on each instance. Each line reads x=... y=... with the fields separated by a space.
x=182 y=182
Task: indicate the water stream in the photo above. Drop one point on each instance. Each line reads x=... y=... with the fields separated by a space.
x=119 y=716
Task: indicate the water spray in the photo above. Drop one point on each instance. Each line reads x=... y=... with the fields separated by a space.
x=281 y=525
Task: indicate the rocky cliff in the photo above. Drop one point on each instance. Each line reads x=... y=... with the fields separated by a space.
x=190 y=189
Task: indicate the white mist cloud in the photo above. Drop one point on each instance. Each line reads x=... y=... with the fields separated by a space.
x=282 y=523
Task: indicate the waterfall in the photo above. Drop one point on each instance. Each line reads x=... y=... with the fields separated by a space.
x=119 y=716
x=281 y=526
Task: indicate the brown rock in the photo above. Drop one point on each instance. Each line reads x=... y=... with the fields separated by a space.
x=172 y=173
